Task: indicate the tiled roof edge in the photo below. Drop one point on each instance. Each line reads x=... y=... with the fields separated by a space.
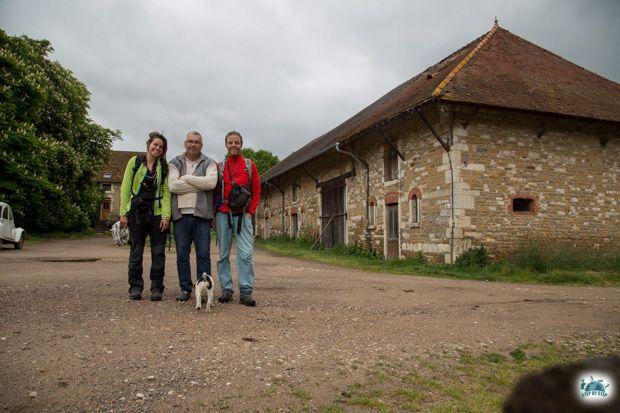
x=463 y=62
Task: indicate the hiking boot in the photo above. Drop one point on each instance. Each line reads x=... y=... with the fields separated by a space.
x=156 y=295
x=135 y=295
x=225 y=297
x=247 y=300
x=184 y=296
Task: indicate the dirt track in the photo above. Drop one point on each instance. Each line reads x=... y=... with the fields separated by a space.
x=69 y=333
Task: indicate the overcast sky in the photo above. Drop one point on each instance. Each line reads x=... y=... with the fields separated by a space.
x=280 y=72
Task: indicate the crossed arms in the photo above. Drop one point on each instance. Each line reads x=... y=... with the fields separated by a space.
x=189 y=183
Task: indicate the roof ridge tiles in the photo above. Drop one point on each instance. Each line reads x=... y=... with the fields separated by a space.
x=463 y=62
x=563 y=59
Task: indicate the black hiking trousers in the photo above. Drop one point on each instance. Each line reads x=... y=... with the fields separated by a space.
x=141 y=225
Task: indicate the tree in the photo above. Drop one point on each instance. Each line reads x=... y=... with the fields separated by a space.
x=49 y=148
x=262 y=158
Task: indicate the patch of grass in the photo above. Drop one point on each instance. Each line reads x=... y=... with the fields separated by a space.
x=222 y=404
x=411 y=395
x=301 y=393
x=334 y=408
x=518 y=354
x=494 y=358
x=270 y=392
x=542 y=256
x=467 y=383
x=595 y=268
x=378 y=375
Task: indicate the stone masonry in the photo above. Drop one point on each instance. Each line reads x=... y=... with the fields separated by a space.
x=567 y=168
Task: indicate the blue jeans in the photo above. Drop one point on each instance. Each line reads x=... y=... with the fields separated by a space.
x=245 y=249
x=187 y=229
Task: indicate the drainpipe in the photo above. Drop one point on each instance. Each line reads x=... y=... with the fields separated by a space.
x=352 y=155
x=282 y=193
x=446 y=146
x=451 y=188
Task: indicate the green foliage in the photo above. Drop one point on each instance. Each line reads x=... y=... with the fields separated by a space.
x=495 y=358
x=354 y=257
x=474 y=257
x=543 y=257
x=262 y=158
x=418 y=259
x=49 y=147
x=301 y=393
x=518 y=354
x=356 y=251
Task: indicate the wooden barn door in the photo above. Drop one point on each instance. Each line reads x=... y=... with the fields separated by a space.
x=391 y=214
x=333 y=213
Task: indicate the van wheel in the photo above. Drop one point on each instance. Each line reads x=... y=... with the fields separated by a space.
x=19 y=244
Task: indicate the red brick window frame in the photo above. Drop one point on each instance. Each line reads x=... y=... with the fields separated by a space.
x=372 y=211
x=523 y=204
x=415 y=198
x=391 y=198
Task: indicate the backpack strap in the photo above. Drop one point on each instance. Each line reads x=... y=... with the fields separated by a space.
x=164 y=168
x=138 y=161
x=248 y=168
x=220 y=173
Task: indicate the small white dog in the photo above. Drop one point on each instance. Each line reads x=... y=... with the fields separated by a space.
x=204 y=284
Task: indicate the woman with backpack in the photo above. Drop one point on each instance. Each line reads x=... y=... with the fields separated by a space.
x=145 y=209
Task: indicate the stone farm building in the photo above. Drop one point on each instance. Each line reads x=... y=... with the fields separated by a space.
x=499 y=143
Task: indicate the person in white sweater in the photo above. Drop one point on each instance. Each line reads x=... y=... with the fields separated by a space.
x=192 y=178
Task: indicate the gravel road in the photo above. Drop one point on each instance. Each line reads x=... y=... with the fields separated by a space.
x=72 y=341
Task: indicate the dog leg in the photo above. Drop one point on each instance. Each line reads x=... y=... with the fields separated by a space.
x=198 y=297
x=209 y=299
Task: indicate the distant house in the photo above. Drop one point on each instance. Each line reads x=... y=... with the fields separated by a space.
x=499 y=143
x=110 y=177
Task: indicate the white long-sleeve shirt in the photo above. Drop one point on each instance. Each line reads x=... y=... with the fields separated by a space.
x=186 y=186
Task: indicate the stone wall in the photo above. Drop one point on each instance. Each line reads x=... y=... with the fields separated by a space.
x=422 y=171
x=496 y=156
x=565 y=166
x=307 y=205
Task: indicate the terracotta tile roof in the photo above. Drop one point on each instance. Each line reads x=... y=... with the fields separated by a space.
x=115 y=169
x=510 y=72
x=498 y=69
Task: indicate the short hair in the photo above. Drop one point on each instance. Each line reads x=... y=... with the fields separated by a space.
x=196 y=133
x=156 y=135
x=231 y=133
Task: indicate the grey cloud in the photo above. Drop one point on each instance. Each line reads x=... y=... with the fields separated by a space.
x=281 y=72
